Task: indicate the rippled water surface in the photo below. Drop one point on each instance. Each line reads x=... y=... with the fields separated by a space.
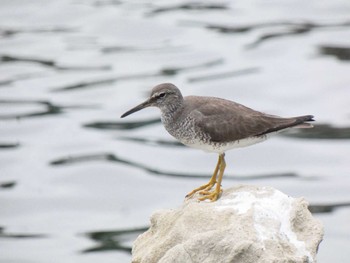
x=78 y=184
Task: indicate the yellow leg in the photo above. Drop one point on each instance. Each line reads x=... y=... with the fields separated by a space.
x=206 y=187
x=214 y=195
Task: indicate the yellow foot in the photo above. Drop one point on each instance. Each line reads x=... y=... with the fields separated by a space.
x=203 y=189
x=212 y=196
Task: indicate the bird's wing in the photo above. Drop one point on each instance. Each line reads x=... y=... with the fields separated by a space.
x=227 y=121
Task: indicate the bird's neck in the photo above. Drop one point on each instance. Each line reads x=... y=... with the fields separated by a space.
x=170 y=111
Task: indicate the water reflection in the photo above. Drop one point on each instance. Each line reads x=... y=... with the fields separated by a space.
x=156 y=142
x=13 y=31
x=48 y=63
x=50 y=108
x=114 y=240
x=7 y=185
x=132 y=48
x=117 y=125
x=166 y=71
x=3 y=234
x=110 y=80
x=341 y=53
x=289 y=28
x=223 y=75
x=327 y=208
x=99 y=3
x=320 y=131
x=9 y=145
x=197 y=6
x=12 y=80
x=110 y=157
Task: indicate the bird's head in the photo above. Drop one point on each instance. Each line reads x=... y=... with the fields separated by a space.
x=165 y=96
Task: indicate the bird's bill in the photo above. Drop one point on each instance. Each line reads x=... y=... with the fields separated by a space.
x=143 y=105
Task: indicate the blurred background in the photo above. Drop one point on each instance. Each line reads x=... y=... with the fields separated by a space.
x=78 y=184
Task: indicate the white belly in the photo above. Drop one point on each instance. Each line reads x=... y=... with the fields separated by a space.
x=221 y=148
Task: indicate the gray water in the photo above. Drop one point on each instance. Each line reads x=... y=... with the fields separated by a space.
x=78 y=184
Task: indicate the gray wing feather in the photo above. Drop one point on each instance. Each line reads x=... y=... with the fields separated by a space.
x=225 y=120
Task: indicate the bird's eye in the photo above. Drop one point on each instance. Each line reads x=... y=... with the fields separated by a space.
x=161 y=95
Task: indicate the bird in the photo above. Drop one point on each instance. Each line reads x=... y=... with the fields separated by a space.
x=214 y=125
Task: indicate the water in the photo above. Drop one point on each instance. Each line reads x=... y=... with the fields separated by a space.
x=78 y=184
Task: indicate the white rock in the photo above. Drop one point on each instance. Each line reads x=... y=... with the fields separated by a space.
x=247 y=224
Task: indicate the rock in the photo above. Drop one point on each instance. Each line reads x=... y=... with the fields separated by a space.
x=247 y=224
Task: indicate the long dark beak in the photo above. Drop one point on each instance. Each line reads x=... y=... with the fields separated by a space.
x=143 y=105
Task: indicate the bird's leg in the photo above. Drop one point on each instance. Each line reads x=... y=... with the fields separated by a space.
x=214 y=195
x=212 y=180
x=206 y=187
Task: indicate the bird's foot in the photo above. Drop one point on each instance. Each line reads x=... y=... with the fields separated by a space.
x=203 y=190
x=212 y=196
x=206 y=190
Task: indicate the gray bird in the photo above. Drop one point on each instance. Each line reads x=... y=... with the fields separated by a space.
x=214 y=125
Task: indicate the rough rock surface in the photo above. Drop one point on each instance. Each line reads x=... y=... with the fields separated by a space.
x=247 y=224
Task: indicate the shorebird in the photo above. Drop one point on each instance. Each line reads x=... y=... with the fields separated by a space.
x=214 y=125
